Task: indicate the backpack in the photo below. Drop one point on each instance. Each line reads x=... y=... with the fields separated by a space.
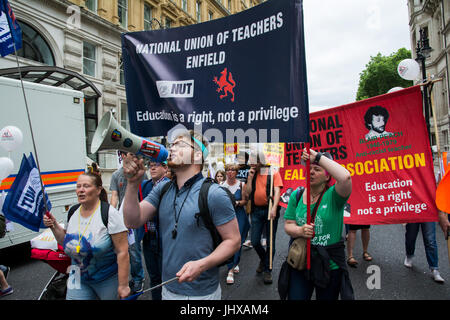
x=204 y=213
x=104 y=209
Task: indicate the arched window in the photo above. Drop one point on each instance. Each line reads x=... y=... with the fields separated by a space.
x=34 y=46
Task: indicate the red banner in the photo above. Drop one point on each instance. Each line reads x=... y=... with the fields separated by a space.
x=382 y=141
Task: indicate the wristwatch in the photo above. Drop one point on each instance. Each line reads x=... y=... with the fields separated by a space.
x=317 y=158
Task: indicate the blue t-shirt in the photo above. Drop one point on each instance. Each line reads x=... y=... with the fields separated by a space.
x=193 y=240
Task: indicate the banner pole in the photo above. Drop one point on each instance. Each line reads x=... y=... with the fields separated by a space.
x=268 y=217
x=436 y=133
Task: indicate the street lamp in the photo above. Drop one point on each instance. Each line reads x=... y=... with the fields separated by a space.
x=423 y=50
x=158 y=22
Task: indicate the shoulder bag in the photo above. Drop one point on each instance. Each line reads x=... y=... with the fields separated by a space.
x=297 y=251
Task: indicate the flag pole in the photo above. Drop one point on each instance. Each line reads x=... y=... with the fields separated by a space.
x=44 y=198
x=308 y=206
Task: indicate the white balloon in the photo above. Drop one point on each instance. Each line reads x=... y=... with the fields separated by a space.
x=6 y=167
x=408 y=69
x=395 y=89
x=11 y=138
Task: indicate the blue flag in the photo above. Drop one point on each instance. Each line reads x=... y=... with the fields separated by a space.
x=10 y=31
x=24 y=203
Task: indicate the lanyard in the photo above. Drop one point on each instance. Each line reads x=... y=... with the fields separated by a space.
x=177 y=217
x=80 y=236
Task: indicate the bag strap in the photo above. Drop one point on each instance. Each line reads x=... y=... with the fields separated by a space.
x=164 y=189
x=316 y=207
x=104 y=210
x=299 y=193
x=72 y=211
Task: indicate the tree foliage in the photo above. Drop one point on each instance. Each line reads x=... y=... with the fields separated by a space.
x=381 y=75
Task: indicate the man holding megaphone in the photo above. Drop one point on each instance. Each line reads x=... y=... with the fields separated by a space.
x=188 y=251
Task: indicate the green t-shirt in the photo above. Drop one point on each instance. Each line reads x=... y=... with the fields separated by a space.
x=329 y=218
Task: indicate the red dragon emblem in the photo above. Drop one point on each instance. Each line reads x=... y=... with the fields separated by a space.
x=226 y=84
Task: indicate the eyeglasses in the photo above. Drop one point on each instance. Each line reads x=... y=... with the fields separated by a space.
x=178 y=144
x=231 y=170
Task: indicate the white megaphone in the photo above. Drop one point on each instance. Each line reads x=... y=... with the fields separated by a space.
x=110 y=135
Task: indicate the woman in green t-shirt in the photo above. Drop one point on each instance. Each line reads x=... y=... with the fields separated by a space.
x=326 y=230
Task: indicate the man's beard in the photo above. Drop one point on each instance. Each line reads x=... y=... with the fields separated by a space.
x=179 y=165
x=378 y=129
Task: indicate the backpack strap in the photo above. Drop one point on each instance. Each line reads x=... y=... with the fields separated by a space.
x=164 y=189
x=268 y=188
x=72 y=211
x=299 y=193
x=104 y=210
x=204 y=211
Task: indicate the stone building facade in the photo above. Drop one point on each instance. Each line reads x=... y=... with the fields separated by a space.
x=84 y=36
x=433 y=16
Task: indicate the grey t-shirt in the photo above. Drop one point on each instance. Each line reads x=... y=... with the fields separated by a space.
x=119 y=183
x=193 y=240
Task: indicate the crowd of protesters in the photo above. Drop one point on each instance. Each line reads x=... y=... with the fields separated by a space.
x=174 y=218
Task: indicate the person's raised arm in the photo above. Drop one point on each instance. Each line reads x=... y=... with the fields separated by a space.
x=343 y=179
x=135 y=214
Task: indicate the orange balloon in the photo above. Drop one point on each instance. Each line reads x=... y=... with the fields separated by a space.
x=443 y=193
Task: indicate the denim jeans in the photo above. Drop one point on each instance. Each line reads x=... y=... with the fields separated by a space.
x=153 y=261
x=259 y=223
x=429 y=240
x=103 y=290
x=301 y=288
x=135 y=251
x=244 y=226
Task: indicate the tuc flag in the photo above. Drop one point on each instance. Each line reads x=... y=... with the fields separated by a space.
x=10 y=32
x=240 y=78
x=383 y=143
x=24 y=203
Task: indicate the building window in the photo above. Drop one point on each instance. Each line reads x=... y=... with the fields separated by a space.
x=121 y=72
x=34 y=46
x=198 y=11
x=210 y=15
x=122 y=12
x=168 y=23
x=89 y=59
x=91 y=5
x=124 y=121
x=445 y=138
x=229 y=5
x=147 y=17
x=184 y=5
x=90 y=118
